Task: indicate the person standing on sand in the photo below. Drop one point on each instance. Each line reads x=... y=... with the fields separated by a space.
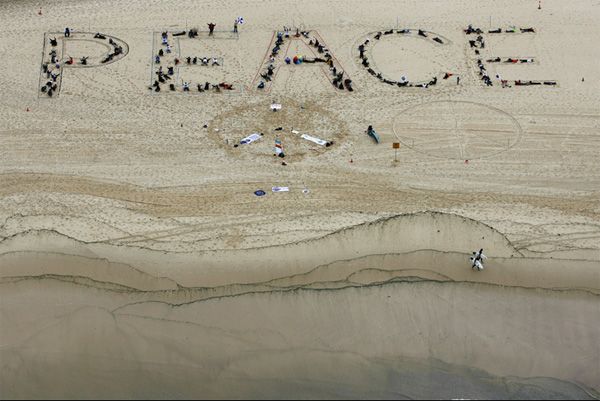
x=457 y=80
x=67 y=32
x=235 y=26
x=211 y=28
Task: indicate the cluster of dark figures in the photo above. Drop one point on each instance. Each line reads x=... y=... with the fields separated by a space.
x=483 y=74
x=51 y=85
x=471 y=30
x=163 y=78
x=482 y=71
x=404 y=83
x=524 y=83
x=337 y=81
x=406 y=31
x=510 y=60
x=477 y=43
x=192 y=33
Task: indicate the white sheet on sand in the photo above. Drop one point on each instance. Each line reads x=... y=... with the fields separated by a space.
x=295 y=132
x=276 y=106
x=251 y=138
x=315 y=140
x=281 y=189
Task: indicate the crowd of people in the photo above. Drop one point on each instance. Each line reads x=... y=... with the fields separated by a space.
x=478 y=43
x=162 y=58
x=323 y=56
x=53 y=63
x=404 y=82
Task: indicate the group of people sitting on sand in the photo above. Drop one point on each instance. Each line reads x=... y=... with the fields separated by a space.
x=186 y=85
x=482 y=71
x=471 y=30
x=337 y=81
x=52 y=84
x=523 y=83
x=420 y=33
x=404 y=82
x=204 y=61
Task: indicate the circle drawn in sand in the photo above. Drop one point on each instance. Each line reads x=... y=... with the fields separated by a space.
x=286 y=125
x=457 y=129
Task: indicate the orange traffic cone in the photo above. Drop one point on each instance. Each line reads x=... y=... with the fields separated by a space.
x=28 y=109
x=540 y=5
x=40 y=12
x=283 y=163
x=351 y=160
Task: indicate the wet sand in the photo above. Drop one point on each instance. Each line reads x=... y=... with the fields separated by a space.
x=137 y=262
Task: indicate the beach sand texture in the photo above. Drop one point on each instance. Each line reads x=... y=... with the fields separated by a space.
x=136 y=260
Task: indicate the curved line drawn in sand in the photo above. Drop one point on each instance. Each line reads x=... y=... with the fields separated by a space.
x=451 y=136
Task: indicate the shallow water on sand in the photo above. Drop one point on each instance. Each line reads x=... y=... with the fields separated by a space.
x=63 y=338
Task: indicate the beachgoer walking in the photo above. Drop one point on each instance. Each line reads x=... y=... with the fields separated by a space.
x=67 y=32
x=479 y=255
x=211 y=28
x=476 y=263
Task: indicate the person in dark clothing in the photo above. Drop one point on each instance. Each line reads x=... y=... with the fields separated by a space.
x=211 y=28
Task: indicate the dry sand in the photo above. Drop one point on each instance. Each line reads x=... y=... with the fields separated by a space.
x=136 y=261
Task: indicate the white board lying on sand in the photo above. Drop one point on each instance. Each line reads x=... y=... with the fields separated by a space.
x=295 y=132
x=251 y=138
x=276 y=106
x=281 y=189
x=315 y=140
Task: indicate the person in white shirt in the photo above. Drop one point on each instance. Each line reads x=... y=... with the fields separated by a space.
x=476 y=263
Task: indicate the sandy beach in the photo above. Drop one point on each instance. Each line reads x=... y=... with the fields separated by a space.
x=140 y=259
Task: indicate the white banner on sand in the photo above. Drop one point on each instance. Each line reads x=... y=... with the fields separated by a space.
x=281 y=189
x=315 y=140
x=251 y=138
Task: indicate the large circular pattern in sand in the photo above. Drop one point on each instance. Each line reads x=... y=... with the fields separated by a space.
x=236 y=123
x=456 y=129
